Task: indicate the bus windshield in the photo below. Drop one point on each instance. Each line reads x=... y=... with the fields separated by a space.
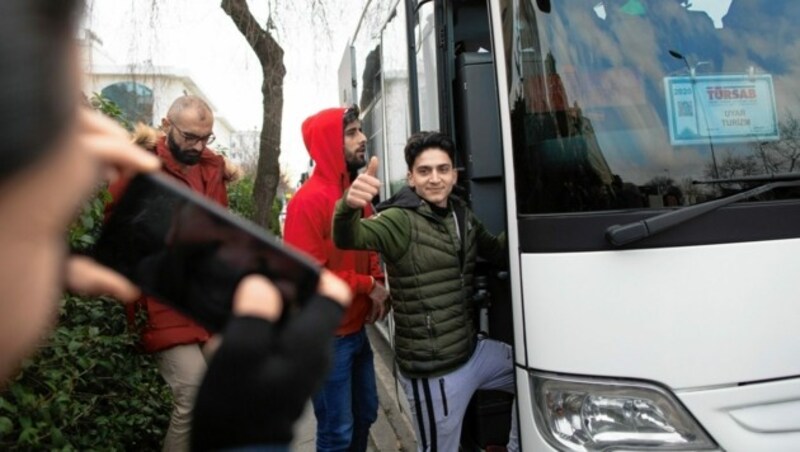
x=628 y=104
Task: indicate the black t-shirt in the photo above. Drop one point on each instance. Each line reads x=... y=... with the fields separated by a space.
x=443 y=213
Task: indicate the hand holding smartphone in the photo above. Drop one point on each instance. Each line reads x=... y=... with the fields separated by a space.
x=191 y=253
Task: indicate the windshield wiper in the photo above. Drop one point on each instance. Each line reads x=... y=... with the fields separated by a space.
x=621 y=235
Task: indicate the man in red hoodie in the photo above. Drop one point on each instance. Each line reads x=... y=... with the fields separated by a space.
x=177 y=340
x=347 y=404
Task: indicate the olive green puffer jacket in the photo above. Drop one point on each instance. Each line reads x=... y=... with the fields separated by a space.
x=431 y=286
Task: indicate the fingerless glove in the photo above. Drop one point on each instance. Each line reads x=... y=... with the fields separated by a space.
x=262 y=376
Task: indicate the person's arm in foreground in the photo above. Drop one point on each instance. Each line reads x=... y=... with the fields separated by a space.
x=109 y=144
x=263 y=373
x=35 y=216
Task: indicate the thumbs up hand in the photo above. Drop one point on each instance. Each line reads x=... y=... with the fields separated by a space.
x=365 y=187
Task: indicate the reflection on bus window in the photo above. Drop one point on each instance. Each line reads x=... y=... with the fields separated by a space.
x=396 y=89
x=426 y=69
x=627 y=103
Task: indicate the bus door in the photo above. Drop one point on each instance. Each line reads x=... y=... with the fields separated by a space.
x=469 y=112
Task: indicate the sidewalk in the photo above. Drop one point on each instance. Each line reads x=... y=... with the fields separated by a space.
x=392 y=431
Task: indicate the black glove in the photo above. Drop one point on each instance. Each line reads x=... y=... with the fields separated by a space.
x=262 y=376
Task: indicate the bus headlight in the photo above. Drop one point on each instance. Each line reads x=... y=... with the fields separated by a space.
x=583 y=414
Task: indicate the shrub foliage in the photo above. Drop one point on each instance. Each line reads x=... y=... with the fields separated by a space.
x=240 y=201
x=87 y=389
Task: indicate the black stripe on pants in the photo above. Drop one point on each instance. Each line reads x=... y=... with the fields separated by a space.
x=431 y=418
x=418 y=408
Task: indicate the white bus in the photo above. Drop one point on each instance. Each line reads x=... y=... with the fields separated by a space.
x=644 y=157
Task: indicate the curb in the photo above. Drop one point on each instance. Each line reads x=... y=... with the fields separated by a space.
x=393 y=430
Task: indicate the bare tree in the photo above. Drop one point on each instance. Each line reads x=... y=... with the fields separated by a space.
x=782 y=156
x=732 y=166
x=270 y=56
x=660 y=184
x=264 y=42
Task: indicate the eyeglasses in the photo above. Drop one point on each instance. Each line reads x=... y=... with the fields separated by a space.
x=193 y=139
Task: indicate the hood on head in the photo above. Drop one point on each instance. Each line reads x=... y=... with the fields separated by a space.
x=323 y=135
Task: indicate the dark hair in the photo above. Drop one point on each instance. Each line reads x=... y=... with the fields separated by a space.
x=37 y=96
x=422 y=141
x=351 y=114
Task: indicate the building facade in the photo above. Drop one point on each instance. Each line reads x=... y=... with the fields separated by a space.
x=144 y=93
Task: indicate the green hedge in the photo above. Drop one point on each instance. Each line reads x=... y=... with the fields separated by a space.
x=87 y=389
x=240 y=201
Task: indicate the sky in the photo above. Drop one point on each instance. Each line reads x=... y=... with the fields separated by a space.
x=198 y=37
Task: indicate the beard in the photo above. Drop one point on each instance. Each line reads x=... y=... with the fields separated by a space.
x=354 y=163
x=186 y=157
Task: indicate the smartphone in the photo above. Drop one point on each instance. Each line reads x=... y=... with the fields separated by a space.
x=191 y=253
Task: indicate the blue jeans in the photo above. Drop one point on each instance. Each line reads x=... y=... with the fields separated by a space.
x=347 y=404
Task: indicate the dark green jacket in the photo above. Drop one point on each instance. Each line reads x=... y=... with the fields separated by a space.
x=431 y=285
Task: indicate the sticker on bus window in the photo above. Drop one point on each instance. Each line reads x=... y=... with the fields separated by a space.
x=721 y=108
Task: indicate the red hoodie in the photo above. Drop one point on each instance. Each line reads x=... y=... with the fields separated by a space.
x=310 y=213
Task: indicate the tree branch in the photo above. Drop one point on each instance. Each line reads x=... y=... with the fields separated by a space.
x=270 y=56
x=261 y=41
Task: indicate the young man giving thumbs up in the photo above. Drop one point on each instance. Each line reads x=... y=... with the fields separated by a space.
x=430 y=241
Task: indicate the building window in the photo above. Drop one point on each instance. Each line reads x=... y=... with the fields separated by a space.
x=134 y=99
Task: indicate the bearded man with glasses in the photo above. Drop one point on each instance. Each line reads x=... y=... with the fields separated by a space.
x=176 y=340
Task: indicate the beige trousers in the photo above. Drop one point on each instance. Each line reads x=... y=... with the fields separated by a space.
x=182 y=367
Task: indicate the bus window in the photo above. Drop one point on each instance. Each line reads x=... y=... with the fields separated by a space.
x=629 y=104
x=396 y=88
x=426 y=68
x=369 y=70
